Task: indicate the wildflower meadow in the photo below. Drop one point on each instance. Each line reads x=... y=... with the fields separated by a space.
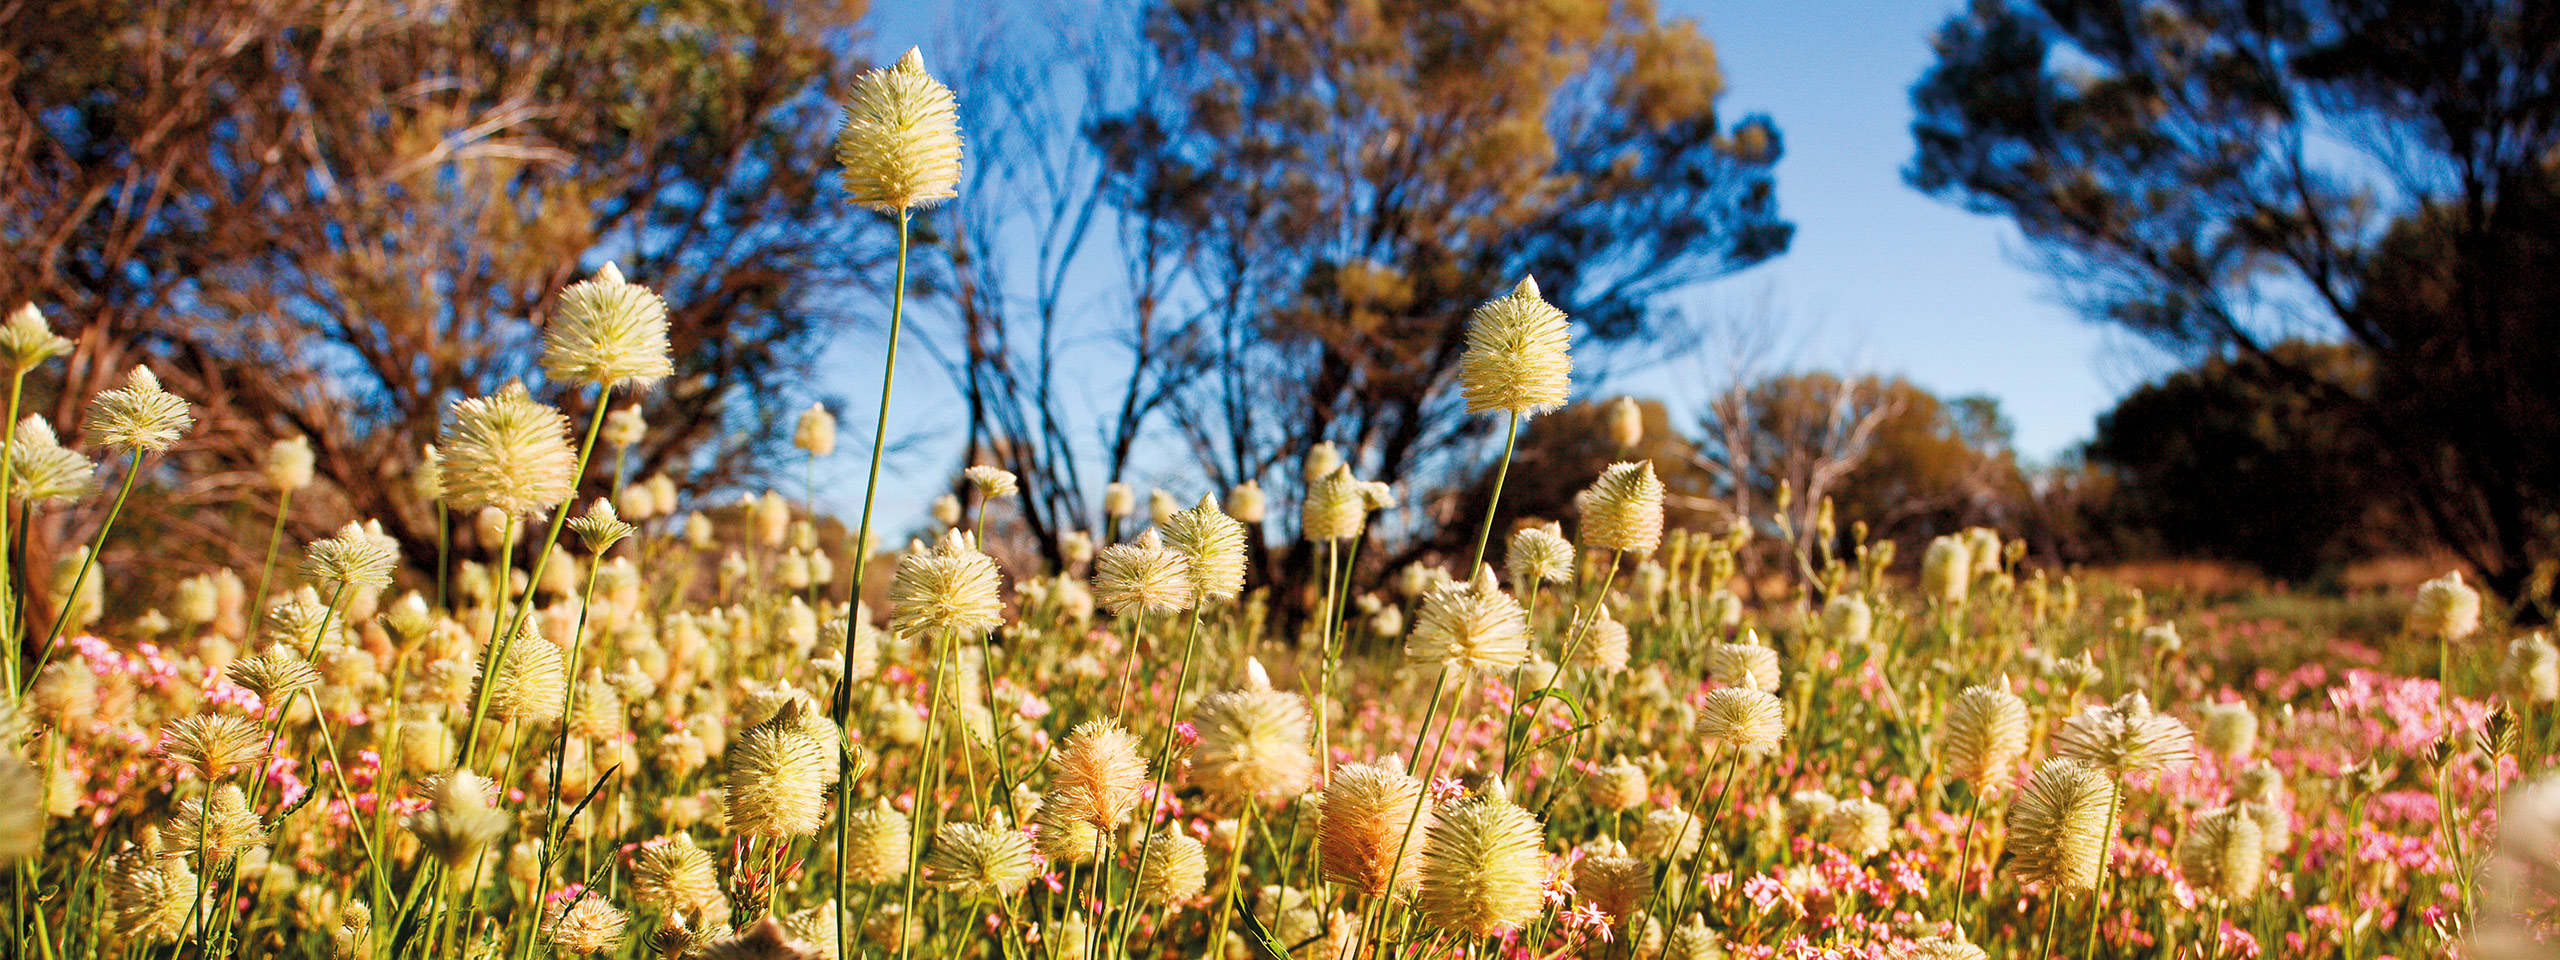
x=648 y=725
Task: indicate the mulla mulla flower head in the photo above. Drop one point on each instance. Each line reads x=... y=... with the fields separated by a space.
x=1539 y=555
x=41 y=468
x=1253 y=742
x=992 y=482
x=1470 y=626
x=1097 y=776
x=273 y=675
x=1175 y=869
x=506 y=451
x=2446 y=608
x=968 y=858
x=591 y=925
x=214 y=744
x=351 y=558
x=877 y=844
x=1369 y=814
x=900 y=146
x=1246 y=503
x=138 y=416
x=674 y=875
x=949 y=587
x=1518 y=355
x=816 y=431
x=2223 y=854
x=1743 y=717
x=608 y=332
x=2124 y=737
x=26 y=341
x=215 y=829
x=1981 y=736
x=1946 y=570
x=1141 y=576
x=1483 y=868
x=1334 y=508
x=601 y=526
x=460 y=819
x=289 y=463
x=2058 y=824
x=1212 y=544
x=779 y=772
x=1623 y=509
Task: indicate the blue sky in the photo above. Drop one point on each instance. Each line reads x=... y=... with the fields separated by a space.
x=1880 y=278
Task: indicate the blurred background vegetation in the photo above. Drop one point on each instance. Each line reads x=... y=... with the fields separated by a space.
x=1200 y=237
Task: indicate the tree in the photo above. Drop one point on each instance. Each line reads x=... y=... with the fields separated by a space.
x=2221 y=176
x=1350 y=180
x=333 y=219
x=2227 y=462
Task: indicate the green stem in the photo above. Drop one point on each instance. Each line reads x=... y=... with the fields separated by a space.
x=1964 y=857
x=1484 y=534
x=861 y=557
x=533 y=580
x=266 y=570
x=71 y=598
x=1155 y=791
x=8 y=594
x=1395 y=867
x=925 y=801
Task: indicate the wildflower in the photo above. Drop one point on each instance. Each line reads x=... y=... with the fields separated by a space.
x=1482 y=868
x=969 y=858
x=1935 y=948
x=507 y=451
x=1246 y=503
x=1539 y=554
x=2057 y=825
x=951 y=587
x=1098 y=776
x=351 y=559
x=26 y=342
x=608 y=332
x=137 y=416
x=780 y=770
x=1744 y=664
x=1334 y=508
x=590 y=925
x=1608 y=878
x=1175 y=869
x=1626 y=422
x=214 y=743
x=900 y=145
x=601 y=527
x=1848 y=618
x=1618 y=785
x=1369 y=814
x=1470 y=626
x=1623 y=509
x=2531 y=670
x=2446 y=608
x=1212 y=544
x=877 y=844
x=533 y=679
x=625 y=426
x=22 y=809
x=1253 y=744
x=771 y=517
x=1693 y=941
x=2230 y=729
x=1605 y=647
x=1161 y=506
x=1118 y=500
x=2125 y=737
x=992 y=483
x=816 y=431
x=288 y=463
x=151 y=896
x=1858 y=827
x=1946 y=570
x=2223 y=854
x=1517 y=355
x=274 y=675
x=1806 y=809
x=460 y=819
x=1982 y=735
x=1743 y=717
x=213 y=833
x=354 y=936
x=41 y=468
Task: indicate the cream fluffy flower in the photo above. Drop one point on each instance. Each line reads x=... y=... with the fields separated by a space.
x=1470 y=626
x=900 y=146
x=608 y=332
x=1518 y=354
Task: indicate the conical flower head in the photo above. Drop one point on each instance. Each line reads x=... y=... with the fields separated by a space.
x=674 y=875
x=289 y=463
x=1212 y=543
x=608 y=332
x=1539 y=554
x=213 y=836
x=1334 y=508
x=2124 y=737
x=1623 y=509
x=1141 y=576
x=877 y=843
x=779 y=773
x=214 y=744
x=1097 y=775
x=506 y=451
x=1744 y=717
x=26 y=341
x=460 y=819
x=1176 y=867
x=2446 y=608
x=1470 y=626
x=1253 y=745
x=1982 y=735
x=900 y=146
x=2058 y=823
x=138 y=416
x=1483 y=869
x=950 y=587
x=591 y=925
x=2223 y=854
x=41 y=468
x=533 y=679
x=1518 y=355
x=601 y=526
x=968 y=858
x=816 y=431
x=1246 y=503
x=1369 y=814
x=351 y=558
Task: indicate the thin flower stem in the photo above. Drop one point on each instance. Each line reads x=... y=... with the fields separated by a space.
x=1964 y=858
x=1484 y=533
x=861 y=551
x=267 y=570
x=1395 y=867
x=8 y=593
x=1155 y=791
x=71 y=598
x=924 y=799
x=533 y=580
